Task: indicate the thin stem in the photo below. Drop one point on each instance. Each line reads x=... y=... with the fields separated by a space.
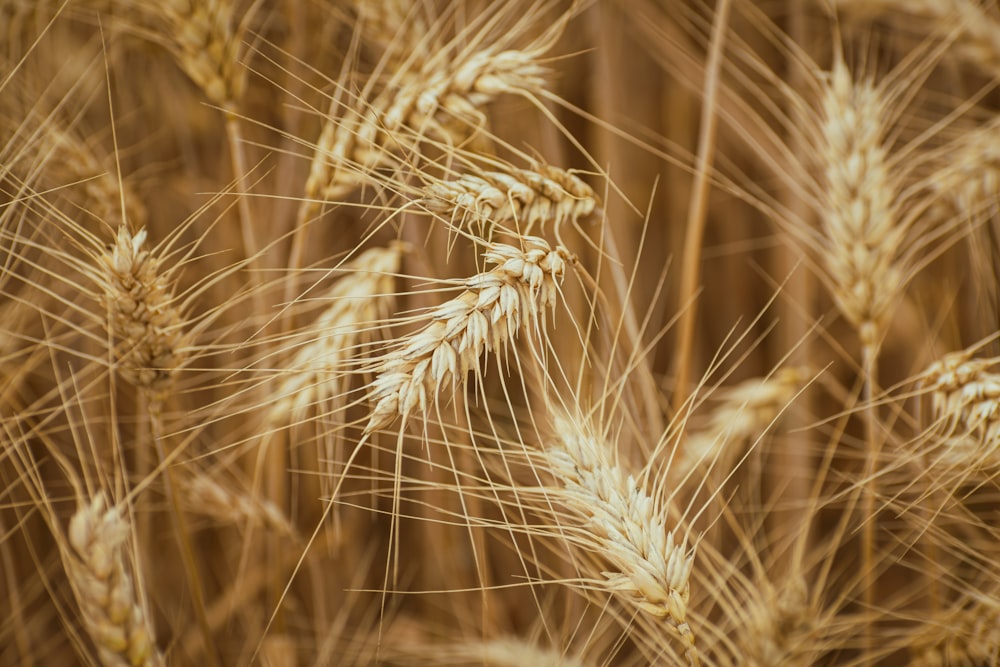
x=873 y=449
x=697 y=210
x=182 y=535
x=235 y=140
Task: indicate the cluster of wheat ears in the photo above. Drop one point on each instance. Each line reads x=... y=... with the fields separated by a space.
x=593 y=332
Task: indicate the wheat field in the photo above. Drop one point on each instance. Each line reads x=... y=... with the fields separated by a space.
x=535 y=332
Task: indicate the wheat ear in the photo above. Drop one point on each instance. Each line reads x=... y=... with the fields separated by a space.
x=358 y=299
x=105 y=590
x=965 y=408
x=651 y=568
x=515 y=199
x=205 y=45
x=137 y=292
x=860 y=221
x=974 y=31
x=967 y=635
x=487 y=315
x=204 y=495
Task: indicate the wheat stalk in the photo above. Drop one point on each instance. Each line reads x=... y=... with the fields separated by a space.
x=487 y=315
x=627 y=526
x=111 y=612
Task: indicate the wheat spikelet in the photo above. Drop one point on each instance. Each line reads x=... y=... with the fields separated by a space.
x=487 y=315
x=204 y=495
x=356 y=300
x=860 y=223
x=205 y=43
x=143 y=315
x=111 y=612
x=516 y=199
x=965 y=407
x=745 y=411
x=626 y=525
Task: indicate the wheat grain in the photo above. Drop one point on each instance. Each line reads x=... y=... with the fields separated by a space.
x=111 y=611
x=487 y=315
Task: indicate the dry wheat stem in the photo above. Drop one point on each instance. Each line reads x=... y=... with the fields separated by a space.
x=486 y=316
x=105 y=590
x=515 y=200
x=627 y=526
x=360 y=299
